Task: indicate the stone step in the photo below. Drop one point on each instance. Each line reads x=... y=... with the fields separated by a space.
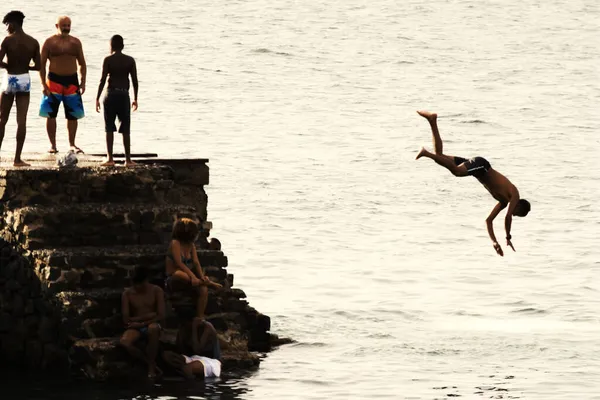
x=152 y=183
x=103 y=359
x=41 y=227
x=97 y=267
x=84 y=313
x=84 y=304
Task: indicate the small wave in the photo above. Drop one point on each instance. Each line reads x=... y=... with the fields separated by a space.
x=530 y=310
x=315 y=382
x=442 y=352
x=263 y=50
x=381 y=336
x=306 y=344
x=464 y=313
x=516 y=303
x=474 y=121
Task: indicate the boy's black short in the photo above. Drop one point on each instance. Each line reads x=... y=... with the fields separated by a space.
x=477 y=166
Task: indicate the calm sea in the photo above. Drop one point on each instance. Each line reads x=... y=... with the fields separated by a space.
x=378 y=265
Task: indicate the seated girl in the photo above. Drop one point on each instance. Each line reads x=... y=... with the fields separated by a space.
x=181 y=258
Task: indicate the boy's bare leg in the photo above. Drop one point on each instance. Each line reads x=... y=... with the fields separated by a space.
x=439 y=157
x=110 y=162
x=128 y=342
x=437 y=140
x=6 y=102
x=202 y=301
x=72 y=129
x=51 y=129
x=152 y=349
x=22 y=108
x=127 y=146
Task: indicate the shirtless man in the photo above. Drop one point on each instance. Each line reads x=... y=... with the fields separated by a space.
x=20 y=49
x=62 y=85
x=143 y=307
x=202 y=343
x=497 y=184
x=118 y=67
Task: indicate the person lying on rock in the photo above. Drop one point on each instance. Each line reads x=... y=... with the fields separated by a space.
x=202 y=342
x=181 y=258
x=143 y=308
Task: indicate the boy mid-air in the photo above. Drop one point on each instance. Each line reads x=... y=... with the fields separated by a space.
x=497 y=184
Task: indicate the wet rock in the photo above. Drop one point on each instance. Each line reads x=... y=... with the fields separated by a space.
x=34 y=351
x=18 y=305
x=48 y=329
x=13 y=347
x=6 y=322
x=69 y=241
x=55 y=359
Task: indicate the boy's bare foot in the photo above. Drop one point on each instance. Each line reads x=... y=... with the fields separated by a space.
x=153 y=371
x=76 y=150
x=53 y=150
x=108 y=163
x=21 y=163
x=428 y=115
x=130 y=163
x=421 y=153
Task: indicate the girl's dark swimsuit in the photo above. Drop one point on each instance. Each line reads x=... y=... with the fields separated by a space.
x=187 y=261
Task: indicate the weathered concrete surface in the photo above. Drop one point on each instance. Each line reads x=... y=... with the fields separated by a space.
x=70 y=240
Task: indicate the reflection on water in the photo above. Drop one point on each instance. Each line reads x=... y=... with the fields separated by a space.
x=230 y=386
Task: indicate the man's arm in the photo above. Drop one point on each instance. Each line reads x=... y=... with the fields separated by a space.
x=44 y=54
x=36 y=58
x=134 y=82
x=82 y=66
x=2 y=54
x=102 y=83
x=514 y=200
x=125 y=308
x=490 y=226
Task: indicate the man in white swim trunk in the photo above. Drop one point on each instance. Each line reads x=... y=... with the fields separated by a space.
x=201 y=341
x=20 y=49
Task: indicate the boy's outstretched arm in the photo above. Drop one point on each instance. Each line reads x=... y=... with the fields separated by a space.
x=508 y=220
x=490 y=226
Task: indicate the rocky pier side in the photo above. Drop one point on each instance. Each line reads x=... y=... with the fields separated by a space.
x=69 y=239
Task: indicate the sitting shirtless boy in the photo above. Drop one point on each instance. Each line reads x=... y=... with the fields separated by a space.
x=143 y=308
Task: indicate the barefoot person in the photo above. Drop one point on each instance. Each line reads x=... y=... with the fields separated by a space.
x=497 y=184
x=202 y=343
x=62 y=84
x=143 y=308
x=181 y=258
x=20 y=49
x=118 y=67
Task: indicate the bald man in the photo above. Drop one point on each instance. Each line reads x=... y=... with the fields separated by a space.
x=62 y=85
